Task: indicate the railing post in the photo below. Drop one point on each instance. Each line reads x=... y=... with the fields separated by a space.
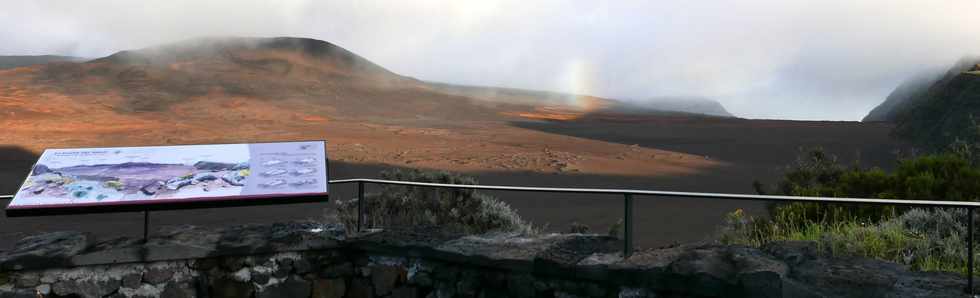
x=146 y=225
x=969 y=250
x=360 y=205
x=628 y=225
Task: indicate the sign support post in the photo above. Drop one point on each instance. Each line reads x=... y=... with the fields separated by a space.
x=146 y=225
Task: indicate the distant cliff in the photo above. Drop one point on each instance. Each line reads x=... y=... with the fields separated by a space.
x=693 y=105
x=945 y=112
x=903 y=97
x=916 y=90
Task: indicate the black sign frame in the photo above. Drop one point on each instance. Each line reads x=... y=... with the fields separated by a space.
x=179 y=204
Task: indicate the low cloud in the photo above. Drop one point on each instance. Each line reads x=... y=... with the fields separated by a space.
x=770 y=59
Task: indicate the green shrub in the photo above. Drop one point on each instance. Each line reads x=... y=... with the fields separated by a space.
x=616 y=228
x=924 y=239
x=928 y=240
x=944 y=177
x=461 y=210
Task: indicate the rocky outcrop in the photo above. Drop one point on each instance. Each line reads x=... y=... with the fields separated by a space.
x=306 y=259
x=45 y=250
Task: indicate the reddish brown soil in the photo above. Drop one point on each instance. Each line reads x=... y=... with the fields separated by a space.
x=374 y=119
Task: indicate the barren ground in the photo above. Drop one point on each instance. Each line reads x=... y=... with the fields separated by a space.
x=706 y=157
x=373 y=119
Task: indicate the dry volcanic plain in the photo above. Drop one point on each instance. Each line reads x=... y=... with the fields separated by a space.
x=280 y=89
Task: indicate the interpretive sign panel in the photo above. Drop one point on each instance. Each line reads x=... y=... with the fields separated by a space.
x=66 y=181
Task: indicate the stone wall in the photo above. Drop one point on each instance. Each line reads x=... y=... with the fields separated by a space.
x=311 y=260
x=311 y=274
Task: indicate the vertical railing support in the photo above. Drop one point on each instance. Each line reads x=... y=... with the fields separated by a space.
x=360 y=205
x=628 y=225
x=146 y=226
x=969 y=251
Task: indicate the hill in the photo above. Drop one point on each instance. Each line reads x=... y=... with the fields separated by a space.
x=903 y=97
x=946 y=112
x=7 y=62
x=915 y=90
x=693 y=105
x=279 y=76
x=214 y=90
x=229 y=90
x=666 y=106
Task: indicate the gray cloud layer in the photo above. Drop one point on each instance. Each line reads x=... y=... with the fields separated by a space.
x=761 y=59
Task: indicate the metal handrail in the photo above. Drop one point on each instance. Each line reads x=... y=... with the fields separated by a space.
x=707 y=195
x=628 y=204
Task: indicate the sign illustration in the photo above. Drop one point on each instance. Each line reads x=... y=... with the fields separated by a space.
x=148 y=175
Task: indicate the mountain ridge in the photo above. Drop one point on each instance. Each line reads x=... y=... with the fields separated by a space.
x=15 y=61
x=914 y=90
x=947 y=112
x=157 y=78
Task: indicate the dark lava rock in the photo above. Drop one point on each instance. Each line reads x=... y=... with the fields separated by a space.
x=230 y=288
x=301 y=266
x=90 y=287
x=338 y=270
x=422 y=279
x=385 y=278
x=132 y=280
x=836 y=277
x=18 y=293
x=521 y=285
x=702 y=272
x=156 y=275
x=408 y=292
x=758 y=274
x=360 y=288
x=232 y=263
x=568 y=251
x=27 y=280
x=260 y=276
x=329 y=288
x=292 y=287
x=636 y=293
x=291 y=236
x=285 y=267
x=420 y=236
x=792 y=252
x=468 y=284
x=178 y=290
x=203 y=264
x=47 y=250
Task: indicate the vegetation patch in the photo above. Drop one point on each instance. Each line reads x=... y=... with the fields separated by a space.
x=463 y=210
x=924 y=239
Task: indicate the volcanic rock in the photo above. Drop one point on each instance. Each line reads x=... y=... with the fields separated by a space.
x=45 y=250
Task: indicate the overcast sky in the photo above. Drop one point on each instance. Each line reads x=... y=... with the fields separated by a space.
x=821 y=59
